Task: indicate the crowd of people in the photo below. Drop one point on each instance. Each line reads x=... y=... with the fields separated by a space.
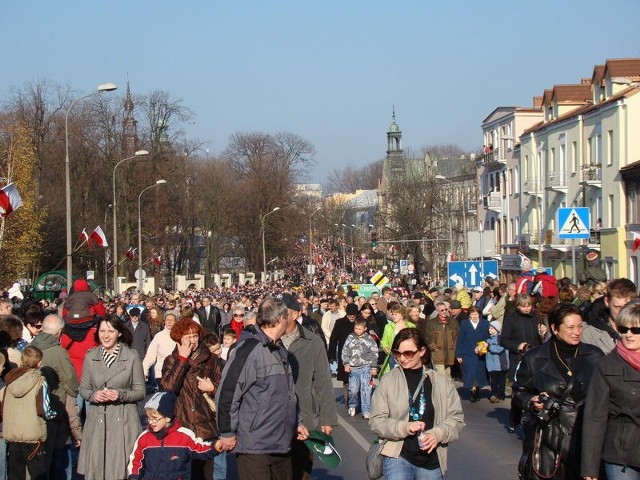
x=247 y=371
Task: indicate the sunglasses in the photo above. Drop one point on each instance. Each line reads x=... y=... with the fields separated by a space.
x=634 y=330
x=238 y=314
x=408 y=354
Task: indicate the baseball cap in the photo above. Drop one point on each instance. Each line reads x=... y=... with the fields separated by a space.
x=290 y=301
x=323 y=446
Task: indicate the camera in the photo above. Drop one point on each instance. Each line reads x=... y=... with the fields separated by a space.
x=550 y=408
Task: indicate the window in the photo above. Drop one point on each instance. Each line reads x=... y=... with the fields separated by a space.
x=574 y=157
x=611 y=212
x=610 y=147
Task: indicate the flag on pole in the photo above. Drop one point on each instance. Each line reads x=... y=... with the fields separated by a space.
x=130 y=253
x=157 y=259
x=525 y=262
x=98 y=237
x=450 y=257
x=9 y=200
x=636 y=241
x=84 y=236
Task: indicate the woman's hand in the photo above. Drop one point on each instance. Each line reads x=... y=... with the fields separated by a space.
x=415 y=427
x=347 y=368
x=459 y=359
x=427 y=441
x=536 y=403
x=185 y=347
x=205 y=385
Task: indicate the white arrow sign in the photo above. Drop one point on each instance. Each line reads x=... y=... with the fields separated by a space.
x=456 y=279
x=473 y=270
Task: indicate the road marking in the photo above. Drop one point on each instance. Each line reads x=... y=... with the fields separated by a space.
x=360 y=440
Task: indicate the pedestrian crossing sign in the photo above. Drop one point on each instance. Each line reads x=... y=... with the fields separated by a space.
x=574 y=222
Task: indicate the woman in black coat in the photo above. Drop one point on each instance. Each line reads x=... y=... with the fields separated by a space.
x=339 y=334
x=612 y=409
x=551 y=384
x=520 y=332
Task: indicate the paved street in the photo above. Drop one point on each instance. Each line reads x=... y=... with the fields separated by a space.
x=485 y=450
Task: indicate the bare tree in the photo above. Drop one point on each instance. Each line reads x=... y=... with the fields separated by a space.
x=349 y=179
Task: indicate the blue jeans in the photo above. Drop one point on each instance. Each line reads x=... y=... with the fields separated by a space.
x=620 y=472
x=3 y=459
x=220 y=466
x=401 y=469
x=360 y=382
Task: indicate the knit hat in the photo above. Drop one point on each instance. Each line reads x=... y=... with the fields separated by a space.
x=134 y=312
x=455 y=304
x=164 y=403
x=496 y=324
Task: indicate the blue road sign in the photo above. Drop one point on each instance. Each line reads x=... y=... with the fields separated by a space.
x=574 y=222
x=470 y=273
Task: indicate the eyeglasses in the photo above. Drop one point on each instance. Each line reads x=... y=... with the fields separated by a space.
x=238 y=314
x=408 y=354
x=154 y=419
x=634 y=330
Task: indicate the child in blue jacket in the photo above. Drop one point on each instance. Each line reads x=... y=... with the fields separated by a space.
x=497 y=361
x=166 y=448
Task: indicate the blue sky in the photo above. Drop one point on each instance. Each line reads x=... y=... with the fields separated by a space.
x=326 y=70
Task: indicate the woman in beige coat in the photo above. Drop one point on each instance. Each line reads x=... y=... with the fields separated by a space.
x=416 y=412
x=113 y=383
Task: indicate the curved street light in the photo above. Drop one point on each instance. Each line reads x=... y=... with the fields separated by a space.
x=264 y=250
x=105 y=87
x=139 y=153
x=140 y=277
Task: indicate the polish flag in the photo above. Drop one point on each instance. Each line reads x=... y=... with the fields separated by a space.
x=84 y=236
x=98 y=237
x=157 y=259
x=9 y=200
x=636 y=241
x=450 y=257
x=130 y=253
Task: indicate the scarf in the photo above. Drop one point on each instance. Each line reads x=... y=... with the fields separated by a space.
x=109 y=358
x=629 y=356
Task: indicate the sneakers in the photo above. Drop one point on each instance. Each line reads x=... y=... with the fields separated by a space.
x=494 y=399
x=352 y=412
x=366 y=416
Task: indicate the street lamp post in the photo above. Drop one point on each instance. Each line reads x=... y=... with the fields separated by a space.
x=105 y=87
x=264 y=250
x=140 y=277
x=311 y=241
x=139 y=153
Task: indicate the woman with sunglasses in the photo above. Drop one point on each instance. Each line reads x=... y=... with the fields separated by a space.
x=416 y=412
x=612 y=410
x=237 y=320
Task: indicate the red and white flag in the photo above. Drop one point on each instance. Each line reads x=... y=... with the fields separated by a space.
x=130 y=253
x=157 y=259
x=636 y=241
x=9 y=200
x=450 y=257
x=84 y=236
x=98 y=237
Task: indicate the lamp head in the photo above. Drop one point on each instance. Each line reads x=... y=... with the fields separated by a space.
x=160 y=182
x=107 y=87
x=275 y=209
x=141 y=153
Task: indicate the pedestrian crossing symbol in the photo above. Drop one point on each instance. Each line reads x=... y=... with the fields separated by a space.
x=574 y=222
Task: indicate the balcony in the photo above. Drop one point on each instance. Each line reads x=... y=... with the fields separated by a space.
x=492 y=201
x=557 y=181
x=591 y=175
x=493 y=158
x=532 y=186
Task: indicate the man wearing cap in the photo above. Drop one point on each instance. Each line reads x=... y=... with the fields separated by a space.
x=258 y=414
x=140 y=332
x=312 y=378
x=428 y=300
x=441 y=335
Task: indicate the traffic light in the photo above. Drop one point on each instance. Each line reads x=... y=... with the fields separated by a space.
x=374 y=239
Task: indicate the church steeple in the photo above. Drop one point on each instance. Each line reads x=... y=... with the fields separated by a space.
x=130 y=125
x=395 y=155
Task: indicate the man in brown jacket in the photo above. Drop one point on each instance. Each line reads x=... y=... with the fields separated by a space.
x=441 y=335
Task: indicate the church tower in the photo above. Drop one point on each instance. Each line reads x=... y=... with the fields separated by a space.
x=130 y=126
x=395 y=164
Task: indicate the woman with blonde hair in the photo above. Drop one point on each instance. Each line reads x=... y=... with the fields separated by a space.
x=399 y=320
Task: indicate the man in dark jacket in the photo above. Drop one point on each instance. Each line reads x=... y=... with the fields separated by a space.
x=312 y=379
x=259 y=431
x=209 y=316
